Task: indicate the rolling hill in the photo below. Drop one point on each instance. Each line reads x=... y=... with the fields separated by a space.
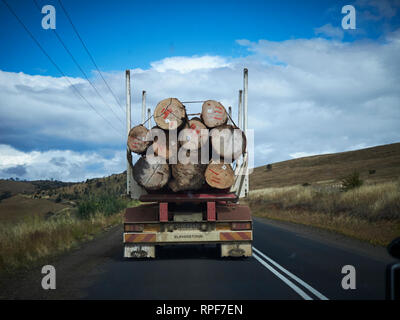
x=376 y=164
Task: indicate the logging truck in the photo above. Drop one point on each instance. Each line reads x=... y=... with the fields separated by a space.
x=203 y=216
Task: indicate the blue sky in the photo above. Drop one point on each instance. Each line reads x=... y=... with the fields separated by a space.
x=131 y=34
x=319 y=88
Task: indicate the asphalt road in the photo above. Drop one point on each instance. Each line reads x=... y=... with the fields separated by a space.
x=289 y=262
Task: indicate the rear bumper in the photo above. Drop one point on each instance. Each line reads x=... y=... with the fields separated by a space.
x=189 y=236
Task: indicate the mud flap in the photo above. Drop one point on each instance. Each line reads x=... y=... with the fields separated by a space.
x=236 y=250
x=139 y=251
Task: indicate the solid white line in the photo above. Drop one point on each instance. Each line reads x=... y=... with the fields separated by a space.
x=300 y=292
x=294 y=277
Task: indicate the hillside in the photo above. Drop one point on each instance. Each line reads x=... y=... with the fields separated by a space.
x=376 y=164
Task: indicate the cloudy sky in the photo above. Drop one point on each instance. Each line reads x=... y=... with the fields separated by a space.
x=314 y=87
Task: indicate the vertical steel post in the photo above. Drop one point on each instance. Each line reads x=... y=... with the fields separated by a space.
x=245 y=91
x=240 y=116
x=245 y=122
x=128 y=126
x=148 y=117
x=143 y=106
x=230 y=114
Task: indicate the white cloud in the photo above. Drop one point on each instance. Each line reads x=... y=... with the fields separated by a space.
x=188 y=64
x=330 y=31
x=63 y=165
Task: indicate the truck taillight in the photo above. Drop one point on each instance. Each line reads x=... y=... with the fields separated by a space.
x=134 y=227
x=241 y=225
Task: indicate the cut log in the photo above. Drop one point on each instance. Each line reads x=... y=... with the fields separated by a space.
x=213 y=114
x=170 y=114
x=151 y=173
x=137 y=139
x=228 y=142
x=219 y=175
x=187 y=177
x=162 y=146
x=194 y=135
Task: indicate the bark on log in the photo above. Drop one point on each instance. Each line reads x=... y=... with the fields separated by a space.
x=228 y=142
x=151 y=174
x=187 y=177
x=219 y=175
x=137 y=139
x=213 y=114
x=194 y=135
x=170 y=114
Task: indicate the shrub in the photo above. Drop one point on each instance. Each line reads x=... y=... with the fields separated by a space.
x=104 y=204
x=5 y=195
x=352 y=181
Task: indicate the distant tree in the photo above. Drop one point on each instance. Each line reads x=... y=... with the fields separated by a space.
x=269 y=166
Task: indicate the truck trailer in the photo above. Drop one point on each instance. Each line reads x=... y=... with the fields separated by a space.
x=194 y=217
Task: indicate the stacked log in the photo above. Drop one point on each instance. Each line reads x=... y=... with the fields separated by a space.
x=171 y=151
x=137 y=139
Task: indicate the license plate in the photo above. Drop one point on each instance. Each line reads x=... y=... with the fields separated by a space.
x=187 y=226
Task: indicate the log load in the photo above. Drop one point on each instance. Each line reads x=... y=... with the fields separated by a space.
x=170 y=114
x=137 y=139
x=151 y=173
x=187 y=177
x=213 y=114
x=191 y=137
x=228 y=142
x=219 y=175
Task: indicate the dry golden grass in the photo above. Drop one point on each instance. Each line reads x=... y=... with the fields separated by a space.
x=371 y=212
x=27 y=242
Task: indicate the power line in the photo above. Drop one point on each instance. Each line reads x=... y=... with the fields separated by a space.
x=80 y=68
x=91 y=57
x=53 y=62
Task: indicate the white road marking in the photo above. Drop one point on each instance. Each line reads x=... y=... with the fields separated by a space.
x=294 y=277
x=300 y=292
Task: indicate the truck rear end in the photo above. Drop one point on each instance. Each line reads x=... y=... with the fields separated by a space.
x=200 y=218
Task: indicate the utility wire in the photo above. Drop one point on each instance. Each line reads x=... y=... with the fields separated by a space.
x=55 y=64
x=80 y=68
x=89 y=54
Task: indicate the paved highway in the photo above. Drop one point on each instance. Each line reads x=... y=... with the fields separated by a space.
x=289 y=262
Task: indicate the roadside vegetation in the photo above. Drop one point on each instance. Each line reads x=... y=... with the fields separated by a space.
x=368 y=212
x=25 y=243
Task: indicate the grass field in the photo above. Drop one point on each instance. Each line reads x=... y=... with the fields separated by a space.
x=30 y=240
x=20 y=207
x=377 y=164
x=370 y=212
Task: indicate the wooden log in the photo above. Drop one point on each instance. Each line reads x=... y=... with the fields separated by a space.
x=170 y=114
x=137 y=139
x=228 y=142
x=150 y=173
x=194 y=135
x=162 y=146
x=219 y=175
x=187 y=177
x=213 y=114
